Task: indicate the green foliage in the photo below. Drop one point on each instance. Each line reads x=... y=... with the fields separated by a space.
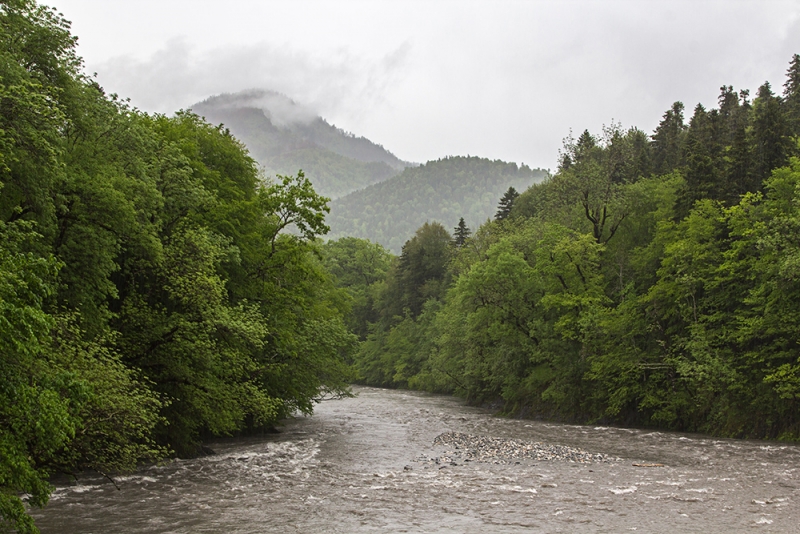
x=506 y=204
x=461 y=233
x=441 y=191
x=360 y=267
x=154 y=289
x=616 y=293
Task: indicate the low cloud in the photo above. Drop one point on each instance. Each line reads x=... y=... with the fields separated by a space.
x=280 y=109
x=179 y=75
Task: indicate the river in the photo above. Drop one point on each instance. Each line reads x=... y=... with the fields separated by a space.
x=369 y=464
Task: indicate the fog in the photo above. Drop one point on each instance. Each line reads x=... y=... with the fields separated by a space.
x=429 y=79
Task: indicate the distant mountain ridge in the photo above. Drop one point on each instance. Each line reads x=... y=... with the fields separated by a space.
x=284 y=137
x=443 y=190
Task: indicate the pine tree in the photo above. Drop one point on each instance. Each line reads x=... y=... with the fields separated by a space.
x=506 y=203
x=668 y=140
x=791 y=95
x=771 y=142
x=702 y=175
x=461 y=233
x=738 y=159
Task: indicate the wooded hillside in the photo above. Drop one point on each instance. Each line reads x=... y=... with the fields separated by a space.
x=653 y=280
x=443 y=191
x=289 y=138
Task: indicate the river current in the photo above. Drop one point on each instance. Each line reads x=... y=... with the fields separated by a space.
x=369 y=464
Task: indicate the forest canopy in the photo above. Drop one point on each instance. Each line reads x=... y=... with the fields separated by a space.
x=652 y=280
x=149 y=296
x=438 y=191
x=157 y=290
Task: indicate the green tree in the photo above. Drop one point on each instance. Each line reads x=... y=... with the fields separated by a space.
x=422 y=269
x=36 y=419
x=791 y=95
x=359 y=266
x=668 y=141
x=461 y=233
x=703 y=176
x=505 y=204
x=771 y=143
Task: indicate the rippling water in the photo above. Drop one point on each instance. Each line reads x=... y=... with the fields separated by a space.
x=368 y=465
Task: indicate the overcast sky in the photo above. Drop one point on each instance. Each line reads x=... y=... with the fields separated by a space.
x=501 y=79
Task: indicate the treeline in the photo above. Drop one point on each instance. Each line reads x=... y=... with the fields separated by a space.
x=148 y=296
x=653 y=280
x=443 y=190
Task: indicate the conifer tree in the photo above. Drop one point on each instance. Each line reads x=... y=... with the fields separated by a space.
x=668 y=140
x=461 y=233
x=791 y=95
x=771 y=143
x=702 y=176
x=506 y=203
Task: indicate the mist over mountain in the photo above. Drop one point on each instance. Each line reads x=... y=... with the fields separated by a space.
x=443 y=190
x=284 y=137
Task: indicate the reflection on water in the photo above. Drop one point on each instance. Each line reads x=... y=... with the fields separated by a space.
x=369 y=464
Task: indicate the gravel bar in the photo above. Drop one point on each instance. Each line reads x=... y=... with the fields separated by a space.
x=469 y=448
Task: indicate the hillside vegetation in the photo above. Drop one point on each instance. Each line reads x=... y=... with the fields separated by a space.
x=149 y=297
x=654 y=280
x=443 y=190
x=285 y=138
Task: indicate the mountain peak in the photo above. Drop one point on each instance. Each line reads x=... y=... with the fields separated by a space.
x=285 y=136
x=281 y=110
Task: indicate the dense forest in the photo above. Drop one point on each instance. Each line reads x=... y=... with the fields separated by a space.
x=156 y=289
x=653 y=280
x=149 y=296
x=284 y=137
x=438 y=191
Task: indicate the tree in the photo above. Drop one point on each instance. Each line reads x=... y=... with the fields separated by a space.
x=771 y=142
x=36 y=421
x=461 y=233
x=360 y=267
x=506 y=204
x=703 y=176
x=592 y=178
x=668 y=140
x=791 y=95
x=292 y=202
x=422 y=268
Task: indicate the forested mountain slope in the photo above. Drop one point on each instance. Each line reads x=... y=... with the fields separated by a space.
x=443 y=190
x=284 y=137
x=653 y=280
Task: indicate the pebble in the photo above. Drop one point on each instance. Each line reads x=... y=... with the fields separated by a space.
x=469 y=448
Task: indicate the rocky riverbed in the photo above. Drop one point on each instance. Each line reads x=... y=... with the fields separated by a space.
x=468 y=448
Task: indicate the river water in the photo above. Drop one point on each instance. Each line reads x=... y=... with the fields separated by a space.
x=369 y=464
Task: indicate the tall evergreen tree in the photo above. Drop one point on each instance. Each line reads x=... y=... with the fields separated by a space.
x=461 y=233
x=791 y=95
x=702 y=175
x=738 y=157
x=506 y=203
x=771 y=143
x=668 y=140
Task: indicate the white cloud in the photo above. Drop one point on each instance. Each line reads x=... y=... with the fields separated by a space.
x=180 y=74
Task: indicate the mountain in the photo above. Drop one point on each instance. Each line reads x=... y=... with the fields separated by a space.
x=443 y=190
x=284 y=137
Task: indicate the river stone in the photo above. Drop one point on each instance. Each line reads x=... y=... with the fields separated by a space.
x=503 y=450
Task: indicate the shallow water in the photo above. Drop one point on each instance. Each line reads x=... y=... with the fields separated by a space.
x=368 y=464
